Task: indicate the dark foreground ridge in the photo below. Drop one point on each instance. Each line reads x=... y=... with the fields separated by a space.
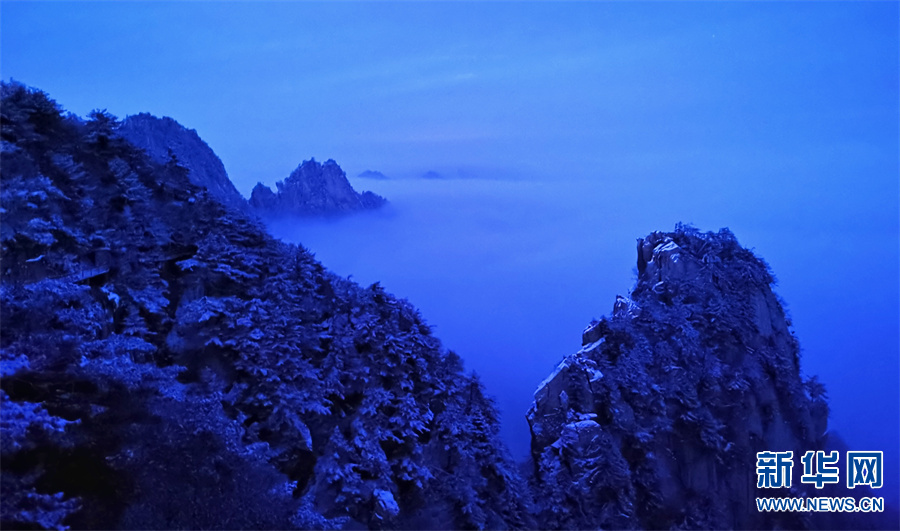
x=209 y=376
x=313 y=189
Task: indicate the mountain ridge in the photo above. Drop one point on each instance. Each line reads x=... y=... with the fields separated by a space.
x=157 y=340
x=312 y=189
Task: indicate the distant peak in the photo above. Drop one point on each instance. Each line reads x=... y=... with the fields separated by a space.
x=313 y=189
x=372 y=174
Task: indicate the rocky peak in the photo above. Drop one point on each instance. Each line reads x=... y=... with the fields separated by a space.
x=313 y=189
x=656 y=421
x=164 y=137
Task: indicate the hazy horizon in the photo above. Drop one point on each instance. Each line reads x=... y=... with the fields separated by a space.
x=577 y=127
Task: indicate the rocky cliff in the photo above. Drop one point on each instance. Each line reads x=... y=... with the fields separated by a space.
x=313 y=189
x=164 y=138
x=656 y=421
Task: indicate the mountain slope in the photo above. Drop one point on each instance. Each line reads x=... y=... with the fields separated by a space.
x=167 y=364
x=163 y=138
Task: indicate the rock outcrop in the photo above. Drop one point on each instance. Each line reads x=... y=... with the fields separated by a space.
x=313 y=189
x=163 y=138
x=656 y=421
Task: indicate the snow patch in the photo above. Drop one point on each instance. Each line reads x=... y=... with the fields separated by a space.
x=111 y=296
x=591 y=346
x=385 y=504
x=583 y=425
x=187 y=265
x=669 y=247
x=564 y=364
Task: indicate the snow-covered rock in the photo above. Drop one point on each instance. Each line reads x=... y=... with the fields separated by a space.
x=385 y=504
x=313 y=189
x=655 y=422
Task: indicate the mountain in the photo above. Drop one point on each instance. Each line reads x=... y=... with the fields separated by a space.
x=164 y=138
x=656 y=421
x=313 y=189
x=432 y=175
x=167 y=364
x=372 y=174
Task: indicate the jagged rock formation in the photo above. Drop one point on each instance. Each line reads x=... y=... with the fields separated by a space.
x=656 y=421
x=313 y=189
x=166 y=364
x=164 y=138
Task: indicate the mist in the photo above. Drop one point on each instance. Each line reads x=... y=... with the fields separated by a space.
x=509 y=272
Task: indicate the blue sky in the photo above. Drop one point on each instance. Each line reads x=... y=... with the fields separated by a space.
x=407 y=86
x=776 y=119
